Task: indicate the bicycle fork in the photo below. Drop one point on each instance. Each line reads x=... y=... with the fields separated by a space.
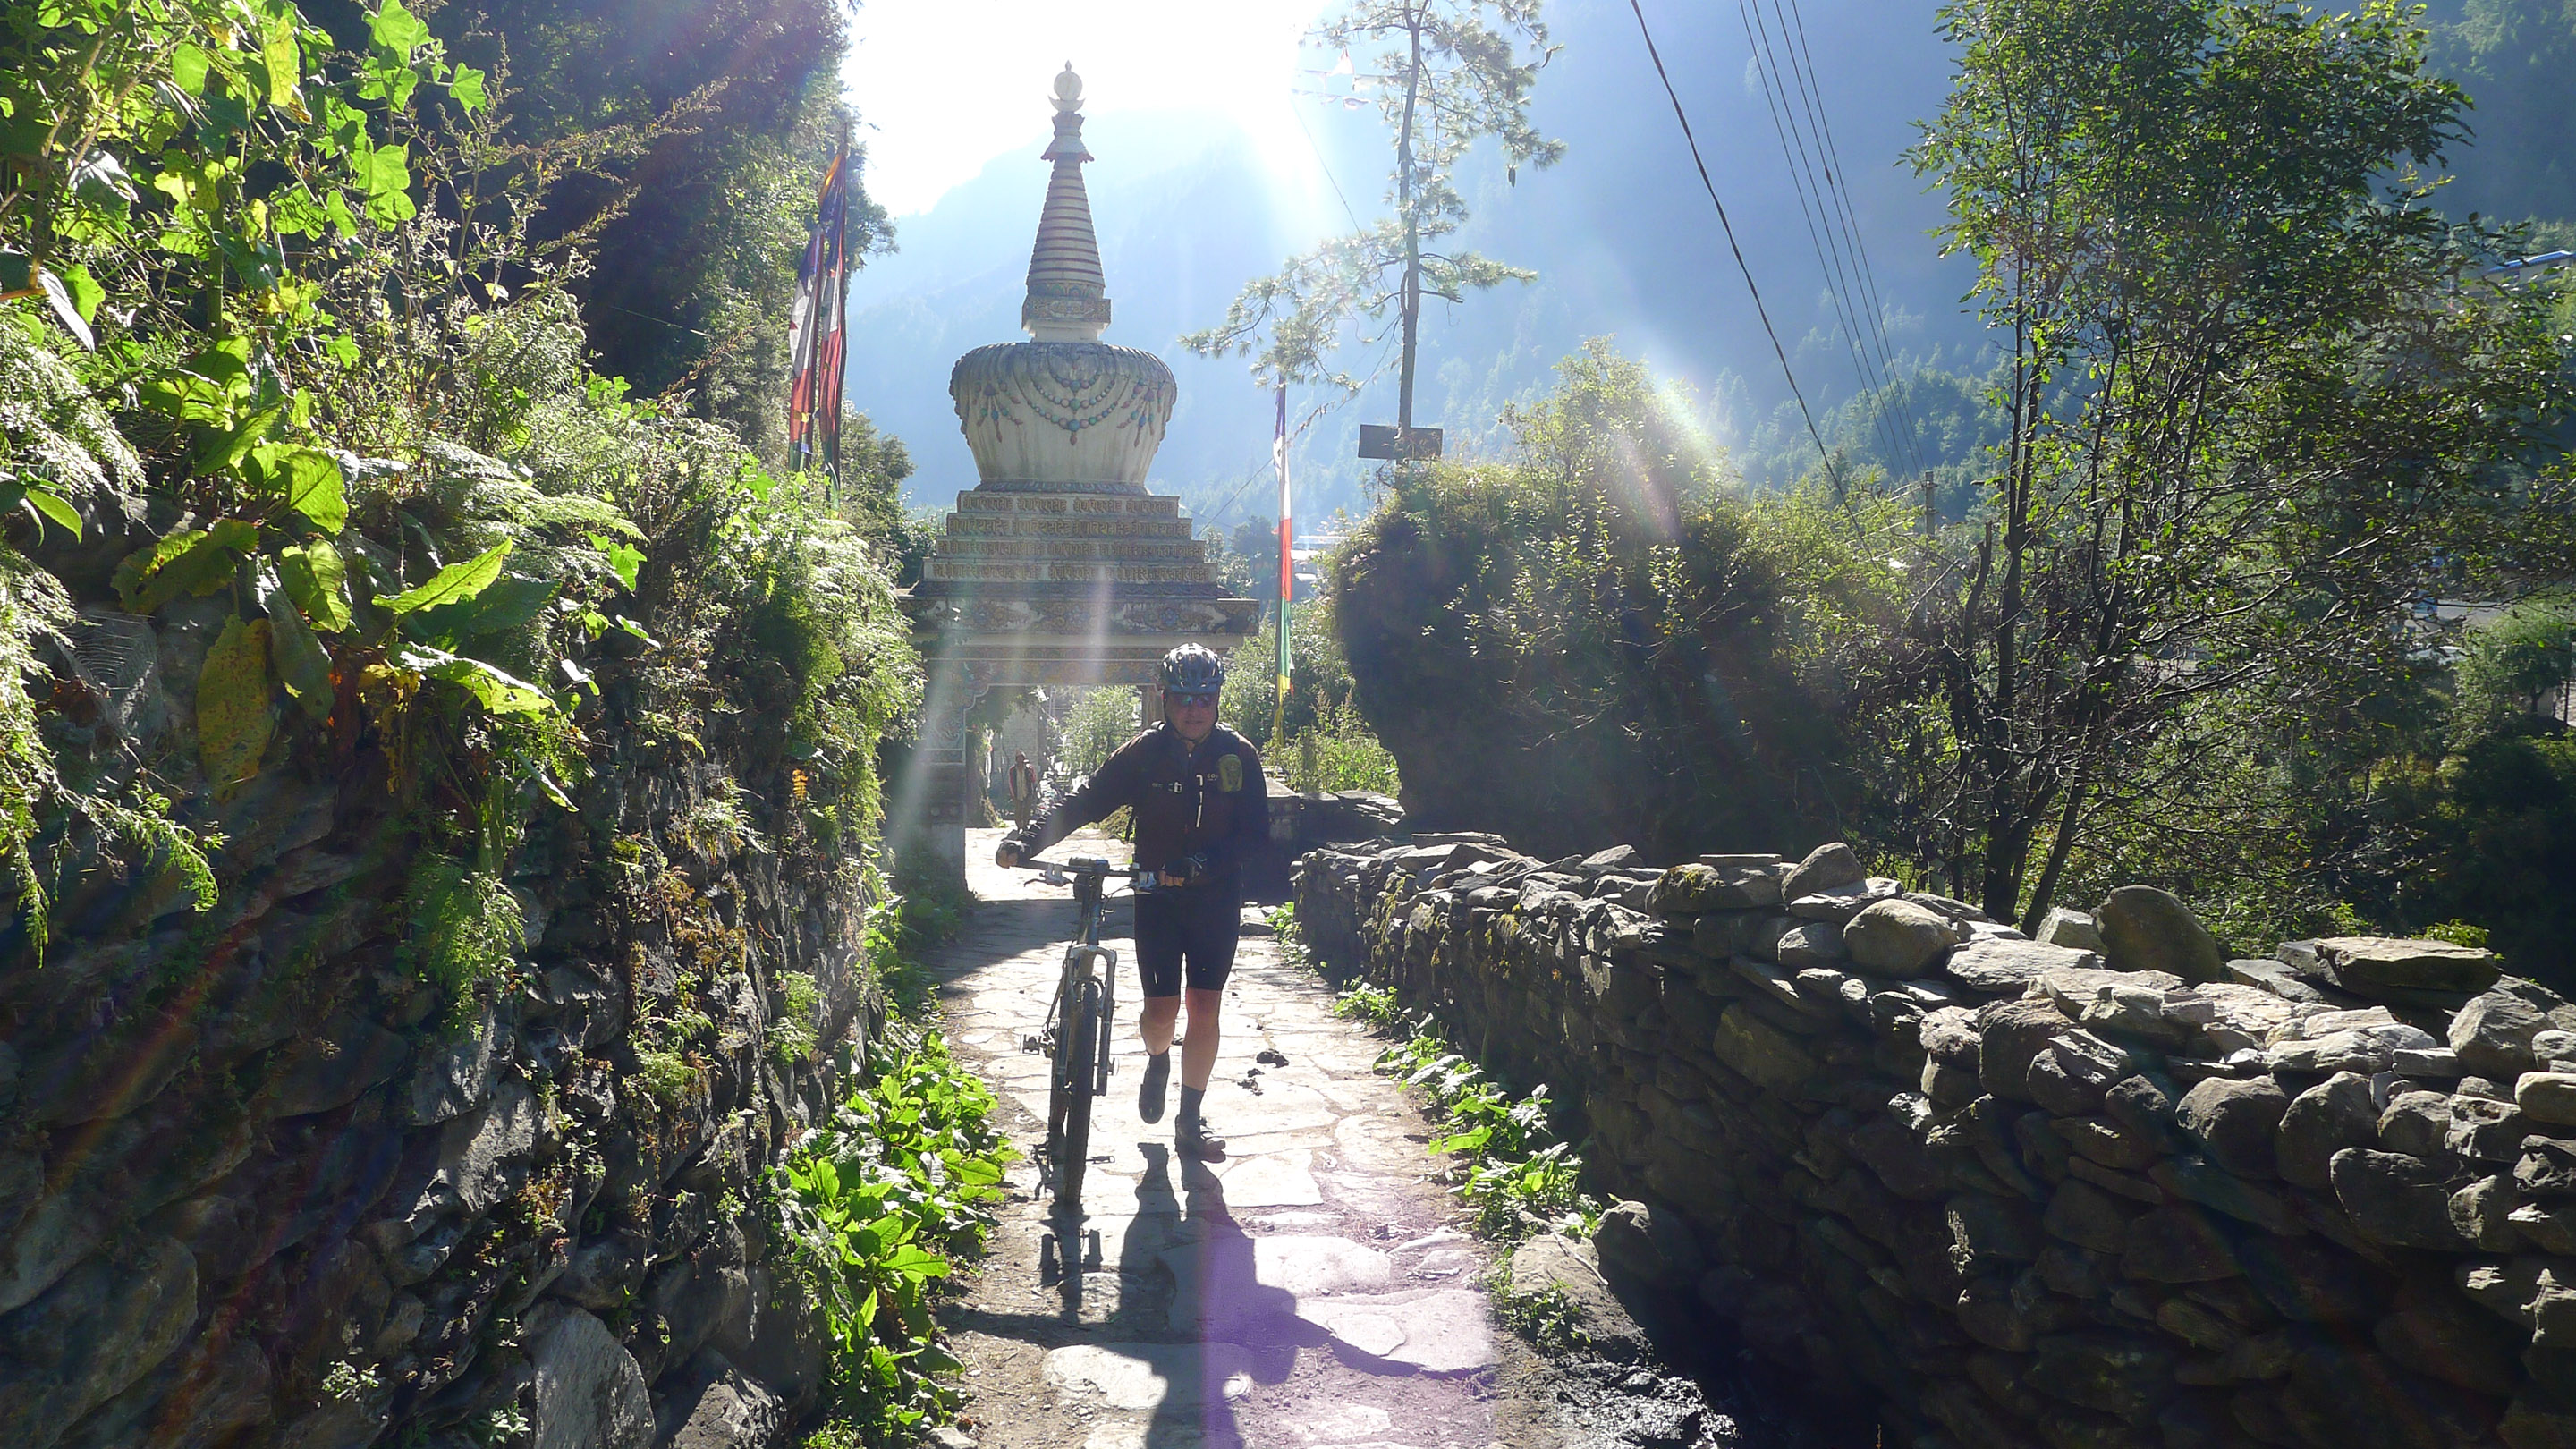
x=1078 y=958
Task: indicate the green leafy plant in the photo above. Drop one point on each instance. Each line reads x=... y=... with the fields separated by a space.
x=2458 y=933
x=898 y=928
x=667 y=1075
x=1550 y=1319
x=465 y=927
x=1504 y=1160
x=877 y=1207
x=348 y=1382
x=792 y=1037
x=1375 y=1006
x=1282 y=919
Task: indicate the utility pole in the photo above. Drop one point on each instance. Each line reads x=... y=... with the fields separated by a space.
x=1412 y=300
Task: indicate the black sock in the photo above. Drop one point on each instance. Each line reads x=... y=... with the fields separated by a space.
x=1190 y=1099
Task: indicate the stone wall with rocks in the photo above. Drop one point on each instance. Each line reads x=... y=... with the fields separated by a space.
x=260 y=1185
x=2101 y=1189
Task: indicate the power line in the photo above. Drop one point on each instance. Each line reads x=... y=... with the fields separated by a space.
x=1327 y=168
x=1216 y=517
x=1869 y=275
x=1782 y=353
x=1813 y=209
x=1826 y=204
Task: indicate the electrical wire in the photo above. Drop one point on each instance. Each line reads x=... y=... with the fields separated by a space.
x=1913 y=425
x=1325 y=166
x=1824 y=453
x=1814 y=209
x=1803 y=68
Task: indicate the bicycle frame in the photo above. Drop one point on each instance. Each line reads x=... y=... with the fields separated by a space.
x=1087 y=876
x=1087 y=985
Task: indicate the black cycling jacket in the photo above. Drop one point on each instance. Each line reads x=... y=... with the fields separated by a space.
x=1209 y=803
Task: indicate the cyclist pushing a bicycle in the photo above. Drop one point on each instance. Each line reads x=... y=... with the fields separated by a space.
x=1200 y=807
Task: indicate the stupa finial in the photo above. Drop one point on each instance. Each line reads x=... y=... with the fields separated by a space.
x=1068 y=298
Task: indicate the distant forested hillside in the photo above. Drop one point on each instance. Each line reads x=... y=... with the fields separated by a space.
x=1623 y=240
x=2517 y=60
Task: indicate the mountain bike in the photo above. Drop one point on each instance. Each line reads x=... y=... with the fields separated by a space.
x=1075 y=1039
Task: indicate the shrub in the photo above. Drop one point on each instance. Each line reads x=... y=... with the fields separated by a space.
x=1599 y=643
x=877 y=1208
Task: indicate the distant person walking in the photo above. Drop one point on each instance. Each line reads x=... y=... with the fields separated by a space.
x=1023 y=785
x=1201 y=807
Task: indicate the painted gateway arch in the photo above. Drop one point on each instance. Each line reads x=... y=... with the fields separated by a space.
x=1061 y=567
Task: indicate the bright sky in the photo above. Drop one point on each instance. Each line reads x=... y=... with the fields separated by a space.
x=946 y=85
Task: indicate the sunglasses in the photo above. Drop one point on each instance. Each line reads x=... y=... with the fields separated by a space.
x=1185 y=700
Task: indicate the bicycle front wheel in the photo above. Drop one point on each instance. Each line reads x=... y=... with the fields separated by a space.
x=1075 y=1075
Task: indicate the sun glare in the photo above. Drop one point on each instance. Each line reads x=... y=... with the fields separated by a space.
x=944 y=86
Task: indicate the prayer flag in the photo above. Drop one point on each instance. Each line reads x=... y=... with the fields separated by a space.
x=816 y=345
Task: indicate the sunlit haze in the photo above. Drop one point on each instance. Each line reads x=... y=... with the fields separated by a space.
x=943 y=86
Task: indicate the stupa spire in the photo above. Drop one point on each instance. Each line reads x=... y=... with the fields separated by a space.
x=1068 y=298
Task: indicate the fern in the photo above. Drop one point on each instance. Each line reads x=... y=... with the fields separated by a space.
x=466 y=927
x=52 y=432
x=147 y=826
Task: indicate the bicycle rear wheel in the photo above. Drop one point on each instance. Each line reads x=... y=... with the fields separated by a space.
x=1076 y=1071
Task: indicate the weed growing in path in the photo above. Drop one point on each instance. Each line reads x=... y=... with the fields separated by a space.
x=1506 y=1163
x=1551 y=1321
x=1373 y=1006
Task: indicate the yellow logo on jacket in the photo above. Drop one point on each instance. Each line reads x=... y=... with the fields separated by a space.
x=1229 y=773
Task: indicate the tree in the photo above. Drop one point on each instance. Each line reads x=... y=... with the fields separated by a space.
x=1451 y=77
x=729 y=110
x=1601 y=642
x=2256 y=390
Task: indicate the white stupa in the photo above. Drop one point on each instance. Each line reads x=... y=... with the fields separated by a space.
x=1061 y=567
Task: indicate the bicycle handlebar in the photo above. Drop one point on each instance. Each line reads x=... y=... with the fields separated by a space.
x=1062 y=872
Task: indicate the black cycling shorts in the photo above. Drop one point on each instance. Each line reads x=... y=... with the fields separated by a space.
x=1194 y=925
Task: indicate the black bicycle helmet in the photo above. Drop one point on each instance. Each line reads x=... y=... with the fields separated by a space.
x=1192 y=669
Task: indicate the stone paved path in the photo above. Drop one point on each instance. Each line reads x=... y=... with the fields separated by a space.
x=1312 y=1292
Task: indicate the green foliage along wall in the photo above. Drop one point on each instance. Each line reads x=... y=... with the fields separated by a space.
x=436 y=787
x=1597 y=643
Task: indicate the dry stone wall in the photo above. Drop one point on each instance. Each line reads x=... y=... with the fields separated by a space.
x=261 y=1187
x=2106 y=1188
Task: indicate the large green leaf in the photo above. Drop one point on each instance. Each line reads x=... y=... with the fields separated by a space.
x=309 y=479
x=302 y=666
x=624 y=561
x=233 y=718
x=508 y=604
x=397 y=29
x=194 y=562
x=224 y=449
x=452 y=584
x=188 y=67
x=66 y=310
x=500 y=693
x=284 y=61
x=317 y=580
x=52 y=505
x=386 y=174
